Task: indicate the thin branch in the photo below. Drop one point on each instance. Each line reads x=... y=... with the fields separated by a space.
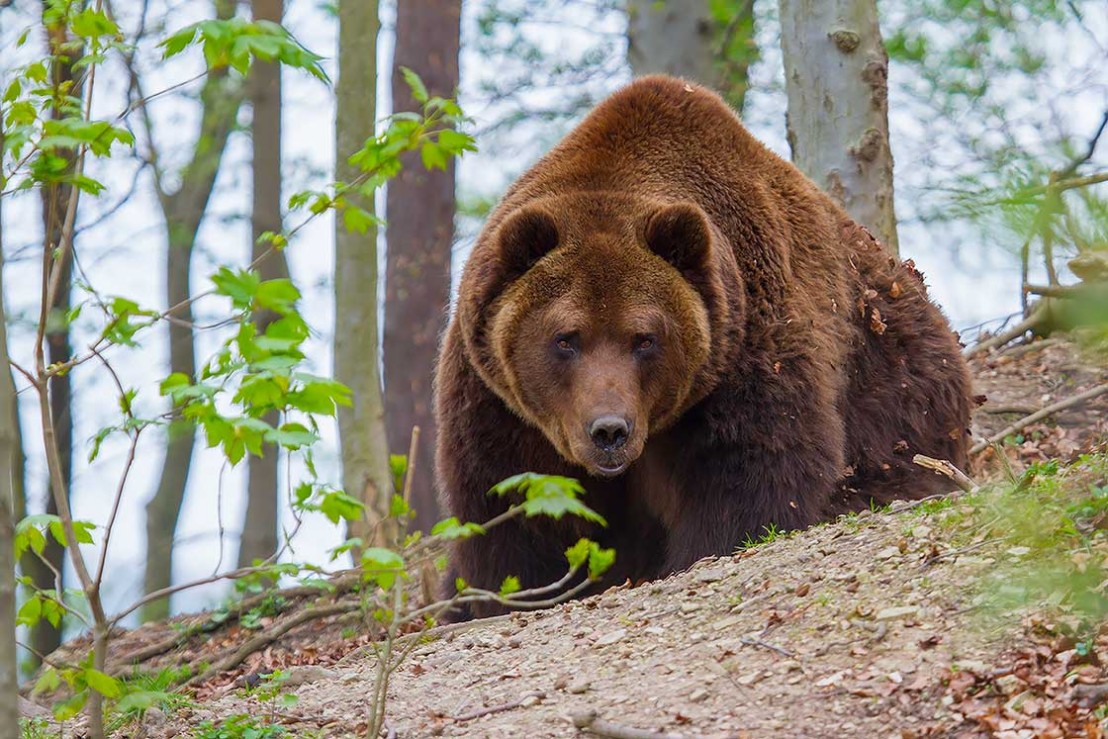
x=1038 y=314
x=943 y=467
x=590 y=722
x=1039 y=415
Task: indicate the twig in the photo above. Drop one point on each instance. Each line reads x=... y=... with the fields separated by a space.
x=413 y=447
x=270 y=635
x=499 y=708
x=1037 y=316
x=958 y=552
x=766 y=645
x=1070 y=292
x=589 y=721
x=943 y=467
x=1039 y=415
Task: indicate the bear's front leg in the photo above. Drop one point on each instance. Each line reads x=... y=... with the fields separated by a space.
x=760 y=468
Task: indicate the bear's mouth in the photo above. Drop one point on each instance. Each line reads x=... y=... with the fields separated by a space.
x=609 y=470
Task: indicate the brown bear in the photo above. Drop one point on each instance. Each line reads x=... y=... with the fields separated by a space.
x=669 y=312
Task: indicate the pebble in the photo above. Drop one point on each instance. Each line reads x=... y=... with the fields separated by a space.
x=713 y=575
x=611 y=638
x=579 y=687
x=698 y=695
x=689 y=607
x=891 y=614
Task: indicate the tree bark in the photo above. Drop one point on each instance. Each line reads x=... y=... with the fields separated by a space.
x=364 y=446
x=836 y=79
x=685 y=38
x=183 y=210
x=259 y=531
x=10 y=472
x=420 y=218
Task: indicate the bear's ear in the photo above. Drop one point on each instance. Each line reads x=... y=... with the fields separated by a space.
x=680 y=234
x=524 y=238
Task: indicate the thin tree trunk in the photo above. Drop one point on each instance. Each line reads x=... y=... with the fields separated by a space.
x=707 y=42
x=44 y=637
x=11 y=454
x=183 y=210
x=836 y=78
x=364 y=446
x=259 y=531
x=420 y=217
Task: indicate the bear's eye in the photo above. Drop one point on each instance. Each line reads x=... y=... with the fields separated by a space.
x=645 y=344
x=566 y=344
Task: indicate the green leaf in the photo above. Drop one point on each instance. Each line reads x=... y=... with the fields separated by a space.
x=279 y=295
x=358 y=220
x=419 y=90
x=30 y=612
x=549 y=495
x=433 y=156
x=452 y=528
x=382 y=566
x=91 y=23
x=292 y=436
x=70 y=707
x=454 y=142
x=240 y=286
x=179 y=41
x=338 y=506
x=104 y=684
x=510 y=585
x=586 y=551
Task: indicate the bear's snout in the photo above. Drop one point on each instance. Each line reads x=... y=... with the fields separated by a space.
x=609 y=433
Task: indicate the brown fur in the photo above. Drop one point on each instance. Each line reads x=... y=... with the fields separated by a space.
x=775 y=364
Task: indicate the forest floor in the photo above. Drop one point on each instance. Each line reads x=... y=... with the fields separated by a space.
x=881 y=624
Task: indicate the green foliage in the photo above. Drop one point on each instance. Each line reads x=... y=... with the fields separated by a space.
x=589 y=552
x=548 y=495
x=434 y=132
x=236 y=42
x=1054 y=521
x=239 y=726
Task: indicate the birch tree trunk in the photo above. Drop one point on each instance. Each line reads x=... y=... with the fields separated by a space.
x=259 y=530
x=183 y=210
x=420 y=217
x=364 y=446
x=707 y=42
x=836 y=79
x=10 y=453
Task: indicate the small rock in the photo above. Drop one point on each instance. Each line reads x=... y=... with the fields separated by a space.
x=611 y=638
x=698 y=695
x=561 y=682
x=529 y=701
x=802 y=589
x=515 y=642
x=1010 y=684
x=654 y=630
x=689 y=607
x=713 y=575
x=891 y=614
x=833 y=679
x=887 y=553
x=579 y=687
x=749 y=679
x=726 y=623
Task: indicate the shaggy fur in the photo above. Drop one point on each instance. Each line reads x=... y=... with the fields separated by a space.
x=774 y=364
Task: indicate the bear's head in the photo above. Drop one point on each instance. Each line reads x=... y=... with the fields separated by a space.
x=599 y=318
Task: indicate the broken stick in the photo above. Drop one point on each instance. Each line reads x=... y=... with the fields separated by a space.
x=943 y=467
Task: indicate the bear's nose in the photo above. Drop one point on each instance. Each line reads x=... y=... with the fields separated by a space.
x=609 y=432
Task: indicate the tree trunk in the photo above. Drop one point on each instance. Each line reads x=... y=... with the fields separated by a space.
x=364 y=446
x=707 y=42
x=836 y=78
x=420 y=217
x=10 y=471
x=183 y=211
x=55 y=200
x=259 y=531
